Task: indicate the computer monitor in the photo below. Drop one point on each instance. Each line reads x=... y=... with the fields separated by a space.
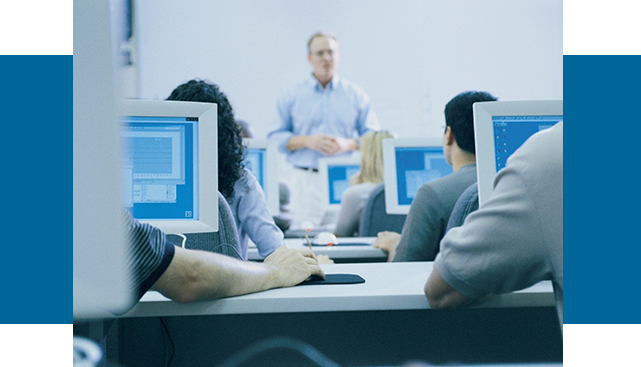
x=170 y=164
x=500 y=128
x=262 y=160
x=335 y=174
x=409 y=163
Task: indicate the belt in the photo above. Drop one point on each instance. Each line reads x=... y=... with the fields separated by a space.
x=307 y=169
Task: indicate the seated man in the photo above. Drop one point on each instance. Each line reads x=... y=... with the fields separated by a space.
x=190 y=275
x=430 y=211
x=515 y=239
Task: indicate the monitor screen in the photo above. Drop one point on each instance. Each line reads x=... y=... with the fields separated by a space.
x=409 y=163
x=160 y=180
x=501 y=128
x=261 y=158
x=335 y=174
x=510 y=132
x=168 y=177
x=255 y=161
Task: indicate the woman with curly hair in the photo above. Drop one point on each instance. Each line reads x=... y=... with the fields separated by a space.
x=237 y=184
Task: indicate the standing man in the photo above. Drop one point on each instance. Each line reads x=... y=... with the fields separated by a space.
x=322 y=116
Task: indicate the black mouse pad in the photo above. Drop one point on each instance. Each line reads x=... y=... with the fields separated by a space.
x=334 y=279
x=341 y=244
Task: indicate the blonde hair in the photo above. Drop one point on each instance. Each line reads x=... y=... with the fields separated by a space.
x=372 y=157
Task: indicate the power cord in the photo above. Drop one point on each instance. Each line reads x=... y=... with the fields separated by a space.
x=171 y=342
x=183 y=237
x=266 y=345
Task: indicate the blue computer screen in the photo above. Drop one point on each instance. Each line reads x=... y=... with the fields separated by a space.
x=338 y=177
x=510 y=132
x=255 y=161
x=160 y=161
x=416 y=166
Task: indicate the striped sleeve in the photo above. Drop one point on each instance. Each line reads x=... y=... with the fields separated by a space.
x=150 y=255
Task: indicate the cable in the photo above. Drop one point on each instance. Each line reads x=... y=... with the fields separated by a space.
x=173 y=349
x=275 y=343
x=183 y=237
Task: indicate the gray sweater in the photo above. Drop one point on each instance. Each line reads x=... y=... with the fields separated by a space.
x=429 y=213
x=515 y=239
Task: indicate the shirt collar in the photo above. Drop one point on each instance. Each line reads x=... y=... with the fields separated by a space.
x=316 y=85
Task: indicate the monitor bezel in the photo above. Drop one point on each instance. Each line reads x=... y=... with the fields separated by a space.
x=207 y=158
x=484 y=134
x=102 y=276
x=389 y=162
x=270 y=167
x=323 y=164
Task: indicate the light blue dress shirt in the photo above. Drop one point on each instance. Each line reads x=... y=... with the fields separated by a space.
x=341 y=109
x=252 y=217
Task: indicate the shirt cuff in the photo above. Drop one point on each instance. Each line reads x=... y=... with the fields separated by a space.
x=167 y=256
x=282 y=138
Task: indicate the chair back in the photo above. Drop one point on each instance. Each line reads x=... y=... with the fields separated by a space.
x=225 y=241
x=374 y=219
x=466 y=204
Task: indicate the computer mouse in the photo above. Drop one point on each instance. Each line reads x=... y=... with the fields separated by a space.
x=325 y=239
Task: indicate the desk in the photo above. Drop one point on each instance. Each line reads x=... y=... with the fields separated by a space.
x=385 y=321
x=340 y=254
x=388 y=286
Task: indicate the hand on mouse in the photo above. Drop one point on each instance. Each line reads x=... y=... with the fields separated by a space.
x=292 y=266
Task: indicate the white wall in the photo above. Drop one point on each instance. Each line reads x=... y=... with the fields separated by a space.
x=411 y=56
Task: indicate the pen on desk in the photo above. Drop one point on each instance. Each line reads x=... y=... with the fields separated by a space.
x=309 y=244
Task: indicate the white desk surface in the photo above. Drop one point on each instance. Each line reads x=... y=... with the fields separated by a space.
x=334 y=252
x=388 y=286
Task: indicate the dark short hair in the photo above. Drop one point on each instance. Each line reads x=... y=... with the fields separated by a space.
x=460 y=118
x=230 y=144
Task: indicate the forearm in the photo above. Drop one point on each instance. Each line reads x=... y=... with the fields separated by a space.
x=325 y=144
x=232 y=278
x=197 y=275
x=297 y=142
x=441 y=295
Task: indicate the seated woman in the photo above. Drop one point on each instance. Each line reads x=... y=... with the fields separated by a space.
x=284 y=217
x=362 y=183
x=237 y=184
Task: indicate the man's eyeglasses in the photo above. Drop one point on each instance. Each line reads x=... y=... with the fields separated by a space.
x=321 y=53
